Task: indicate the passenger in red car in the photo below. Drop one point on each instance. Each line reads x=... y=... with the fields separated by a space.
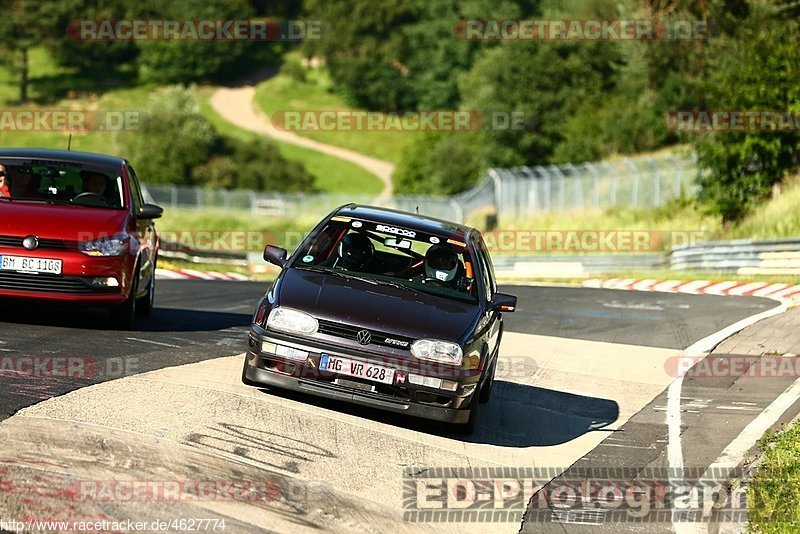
x=24 y=184
x=4 y=191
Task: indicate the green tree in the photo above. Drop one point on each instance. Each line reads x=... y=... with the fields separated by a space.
x=547 y=82
x=362 y=43
x=400 y=54
x=68 y=49
x=174 y=137
x=754 y=69
x=185 y=60
x=436 y=57
x=26 y=24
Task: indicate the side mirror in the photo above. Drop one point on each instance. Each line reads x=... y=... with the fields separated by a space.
x=502 y=302
x=275 y=255
x=150 y=211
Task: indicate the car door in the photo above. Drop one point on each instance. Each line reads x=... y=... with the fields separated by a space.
x=144 y=231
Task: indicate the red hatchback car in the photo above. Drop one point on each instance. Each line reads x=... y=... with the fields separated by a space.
x=74 y=229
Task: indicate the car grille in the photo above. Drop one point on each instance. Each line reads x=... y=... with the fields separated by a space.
x=47 y=244
x=331 y=328
x=47 y=283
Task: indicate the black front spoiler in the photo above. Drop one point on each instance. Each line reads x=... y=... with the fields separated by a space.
x=333 y=391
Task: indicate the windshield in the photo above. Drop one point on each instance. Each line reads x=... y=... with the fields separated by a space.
x=61 y=183
x=389 y=255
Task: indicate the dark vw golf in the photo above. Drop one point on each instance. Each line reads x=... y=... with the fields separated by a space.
x=384 y=309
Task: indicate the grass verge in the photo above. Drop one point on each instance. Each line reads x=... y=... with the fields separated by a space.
x=282 y=93
x=773 y=497
x=331 y=174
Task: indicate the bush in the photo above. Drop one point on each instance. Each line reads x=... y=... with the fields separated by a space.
x=293 y=70
x=217 y=173
x=439 y=164
x=261 y=167
x=174 y=137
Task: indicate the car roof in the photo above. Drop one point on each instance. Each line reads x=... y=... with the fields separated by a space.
x=404 y=219
x=61 y=155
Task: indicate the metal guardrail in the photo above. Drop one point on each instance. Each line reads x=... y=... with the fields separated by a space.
x=742 y=256
x=574 y=265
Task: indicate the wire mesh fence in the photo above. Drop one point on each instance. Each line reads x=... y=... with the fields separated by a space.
x=508 y=194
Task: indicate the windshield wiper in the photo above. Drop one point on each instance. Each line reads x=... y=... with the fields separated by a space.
x=351 y=276
x=340 y=274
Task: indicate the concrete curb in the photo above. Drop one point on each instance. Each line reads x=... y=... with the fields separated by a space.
x=775 y=291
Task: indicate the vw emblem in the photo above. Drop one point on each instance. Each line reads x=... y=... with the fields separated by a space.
x=364 y=337
x=30 y=242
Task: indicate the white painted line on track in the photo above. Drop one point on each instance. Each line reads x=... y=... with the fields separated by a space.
x=153 y=342
x=675 y=446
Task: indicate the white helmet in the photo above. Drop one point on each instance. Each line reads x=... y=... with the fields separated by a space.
x=441 y=263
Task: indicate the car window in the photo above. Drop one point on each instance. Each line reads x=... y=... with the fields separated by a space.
x=384 y=253
x=64 y=183
x=485 y=279
x=136 y=191
x=488 y=269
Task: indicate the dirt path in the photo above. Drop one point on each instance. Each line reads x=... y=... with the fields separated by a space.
x=236 y=105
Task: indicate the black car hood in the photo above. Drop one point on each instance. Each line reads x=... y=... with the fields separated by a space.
x=377 y=307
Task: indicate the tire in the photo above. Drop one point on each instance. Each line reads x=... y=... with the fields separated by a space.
x=144 y=305
x=486 y=390
x=123 y=317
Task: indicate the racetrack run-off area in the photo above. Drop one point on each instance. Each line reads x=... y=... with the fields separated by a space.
x=584 y=378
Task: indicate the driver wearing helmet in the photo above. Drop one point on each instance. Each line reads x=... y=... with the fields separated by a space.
x=355 y=251
x=443 y=266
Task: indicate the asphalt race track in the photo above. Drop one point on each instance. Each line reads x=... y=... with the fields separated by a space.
x=579 y=364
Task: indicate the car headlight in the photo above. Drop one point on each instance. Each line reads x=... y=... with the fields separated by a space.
x=289 y=320
x=107 y=246
x=437 y=351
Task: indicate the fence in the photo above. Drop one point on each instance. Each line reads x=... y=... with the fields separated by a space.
x=511 y=194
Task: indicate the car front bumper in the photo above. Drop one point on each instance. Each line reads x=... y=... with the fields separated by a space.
x=304 y=376
x=73 y=284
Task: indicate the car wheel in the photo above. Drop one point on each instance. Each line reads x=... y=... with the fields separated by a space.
x=144 y=305
x=486 y=389
x=123 y=316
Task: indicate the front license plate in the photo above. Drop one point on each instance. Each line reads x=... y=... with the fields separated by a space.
x=344 y=366
x=30 y=265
